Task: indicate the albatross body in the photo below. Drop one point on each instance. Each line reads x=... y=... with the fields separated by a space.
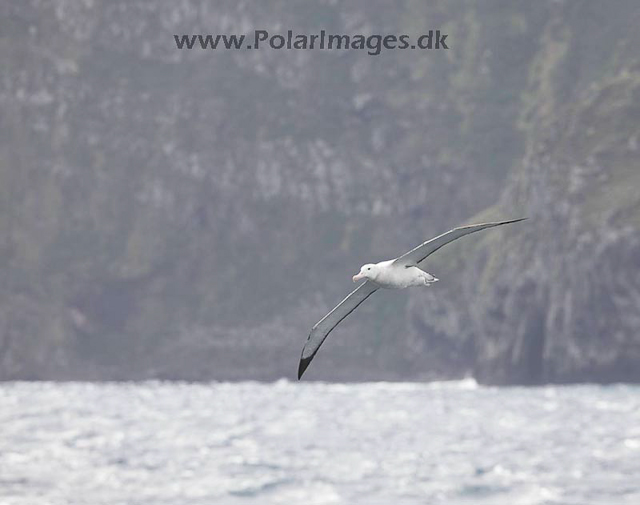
x=402 y=272
x=391 y=275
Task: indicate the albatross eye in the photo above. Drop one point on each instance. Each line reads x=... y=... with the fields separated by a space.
x=369 y=268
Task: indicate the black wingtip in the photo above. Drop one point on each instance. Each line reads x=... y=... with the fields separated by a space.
x=510 y=221
x=304 y=363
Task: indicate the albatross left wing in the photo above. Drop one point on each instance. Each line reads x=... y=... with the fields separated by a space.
x=420 y=253
x=323 y=327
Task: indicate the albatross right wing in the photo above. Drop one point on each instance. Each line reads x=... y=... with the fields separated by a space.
x=323 y=327
x=420 y=253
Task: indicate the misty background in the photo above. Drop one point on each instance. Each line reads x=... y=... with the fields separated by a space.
x=190 y=214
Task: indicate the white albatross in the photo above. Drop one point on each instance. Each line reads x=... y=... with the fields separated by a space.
x=402 y=272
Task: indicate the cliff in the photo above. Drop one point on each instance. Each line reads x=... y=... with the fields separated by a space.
x=192 y=213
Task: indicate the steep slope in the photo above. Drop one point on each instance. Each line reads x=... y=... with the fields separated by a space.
x=190 y=214
x=559 y=300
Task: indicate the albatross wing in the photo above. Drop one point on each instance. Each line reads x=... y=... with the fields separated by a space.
x=323 y=327
x=420 y=253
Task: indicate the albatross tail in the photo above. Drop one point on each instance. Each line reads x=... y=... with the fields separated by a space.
x=429 y=279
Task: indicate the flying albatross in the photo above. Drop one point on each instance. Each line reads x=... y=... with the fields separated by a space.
x=402 y=272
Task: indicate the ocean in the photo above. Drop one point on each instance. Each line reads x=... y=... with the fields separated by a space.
x=317 y=443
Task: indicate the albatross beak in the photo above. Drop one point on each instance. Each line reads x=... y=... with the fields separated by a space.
x=357 y=277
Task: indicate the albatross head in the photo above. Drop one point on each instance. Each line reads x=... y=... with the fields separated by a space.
x=368 y=271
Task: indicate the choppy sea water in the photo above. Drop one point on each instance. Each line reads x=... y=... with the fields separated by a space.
x=315 y=443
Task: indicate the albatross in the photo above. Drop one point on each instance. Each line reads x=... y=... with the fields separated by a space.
x=402 y=272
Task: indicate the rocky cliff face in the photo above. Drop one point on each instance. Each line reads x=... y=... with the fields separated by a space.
x=559 y=299
x=576 y=308
x=191 y=213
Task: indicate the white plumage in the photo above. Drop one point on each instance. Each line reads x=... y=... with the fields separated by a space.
x=388 y=274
